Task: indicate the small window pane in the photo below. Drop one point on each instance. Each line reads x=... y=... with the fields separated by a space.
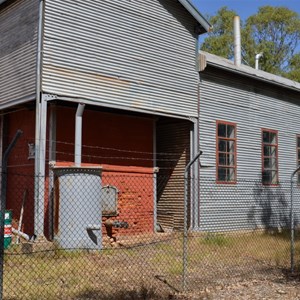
x=298 y=142
x=222 y=159
x=274 y=177
x=266 y=137
x=222 y=130
x=267 y=163
x=273 y=138
x=267 y=151
x=230 y=131
x=273 y=151
x=222 y=146
x=231 y=174
x=231 y=161
x=266 y=177
x=222 y=174
x=230 y=146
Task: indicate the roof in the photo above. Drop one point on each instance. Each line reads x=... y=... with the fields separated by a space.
x=196 y=14
x=228 y=65
x=190 y=8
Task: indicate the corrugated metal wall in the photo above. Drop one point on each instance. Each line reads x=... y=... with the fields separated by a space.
x=18 y=47
x=173 y=147
x=252 y=106
x=127 y=54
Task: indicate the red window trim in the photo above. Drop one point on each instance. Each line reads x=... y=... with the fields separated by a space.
x=235 y=152
x=262 y=155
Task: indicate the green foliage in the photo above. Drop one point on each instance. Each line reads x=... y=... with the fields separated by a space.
x=294 y=68
x=219 y=41
x=275 y=31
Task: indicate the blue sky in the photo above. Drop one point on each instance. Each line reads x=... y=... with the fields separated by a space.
x=244 y=8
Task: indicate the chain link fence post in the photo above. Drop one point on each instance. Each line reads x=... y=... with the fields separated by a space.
x=292 y=223
x=185 y=229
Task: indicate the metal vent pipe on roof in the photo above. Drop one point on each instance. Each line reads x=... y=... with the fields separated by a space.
x=78 y=134
x=237 y=41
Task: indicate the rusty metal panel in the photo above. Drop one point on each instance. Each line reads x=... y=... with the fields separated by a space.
x=18 y=48
x=123 y=54
x=173 y=142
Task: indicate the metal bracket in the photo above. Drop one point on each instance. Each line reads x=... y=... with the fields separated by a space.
x=49 y=97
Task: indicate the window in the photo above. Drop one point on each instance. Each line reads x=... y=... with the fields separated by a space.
x=269 y=157
x=298 y=157
x=226 y=152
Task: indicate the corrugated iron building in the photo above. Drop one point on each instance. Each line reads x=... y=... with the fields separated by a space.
x=255 y=104
x=132 y=58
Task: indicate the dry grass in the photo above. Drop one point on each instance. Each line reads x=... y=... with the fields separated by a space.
x=148 y=271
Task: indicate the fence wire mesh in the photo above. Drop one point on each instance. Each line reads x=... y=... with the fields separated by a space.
x=112 y=235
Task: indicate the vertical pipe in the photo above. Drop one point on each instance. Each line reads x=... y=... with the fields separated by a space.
x=52 y=157
x=195 y=186
x=237 y=41
x=257 y=57
x=154 y=178
x=185 y=228
x=78 y=134
x=40 y=176
x=38 y=114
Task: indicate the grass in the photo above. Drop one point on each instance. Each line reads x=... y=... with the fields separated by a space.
x=76 y=274
x=214 y=239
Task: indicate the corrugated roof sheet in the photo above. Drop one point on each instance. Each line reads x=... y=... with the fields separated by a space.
x=226 y=64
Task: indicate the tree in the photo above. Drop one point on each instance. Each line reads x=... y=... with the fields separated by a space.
x=219 y=41
x=275 y=31
x=294 y=68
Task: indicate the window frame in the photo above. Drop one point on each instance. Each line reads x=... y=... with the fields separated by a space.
x=218 y=122
x=263 y=156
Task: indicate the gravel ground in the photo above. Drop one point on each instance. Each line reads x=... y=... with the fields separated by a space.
x=277 y=284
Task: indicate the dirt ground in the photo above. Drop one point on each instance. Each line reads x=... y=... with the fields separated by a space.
x=219 y=267
x=275 y=284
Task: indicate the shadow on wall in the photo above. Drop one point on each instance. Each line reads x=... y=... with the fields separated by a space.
x=270 y=209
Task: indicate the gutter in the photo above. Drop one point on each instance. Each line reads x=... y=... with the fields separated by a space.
x=207 y=59
x=256 y=77
x=196 y=14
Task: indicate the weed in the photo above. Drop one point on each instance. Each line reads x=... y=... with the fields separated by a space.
x=215 y=239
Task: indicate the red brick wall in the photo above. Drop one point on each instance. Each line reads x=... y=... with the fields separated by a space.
x=107 y=138
x=20 y=168
x=135 y=199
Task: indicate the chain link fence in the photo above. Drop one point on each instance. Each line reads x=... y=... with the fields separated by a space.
x=106 y=236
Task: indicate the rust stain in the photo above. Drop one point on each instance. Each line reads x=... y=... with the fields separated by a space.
x=86 y=76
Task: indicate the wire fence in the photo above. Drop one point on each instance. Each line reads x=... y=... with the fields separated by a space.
x=89 y=233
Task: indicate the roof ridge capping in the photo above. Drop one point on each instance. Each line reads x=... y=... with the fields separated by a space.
x=196 y=14
x=206 y=58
